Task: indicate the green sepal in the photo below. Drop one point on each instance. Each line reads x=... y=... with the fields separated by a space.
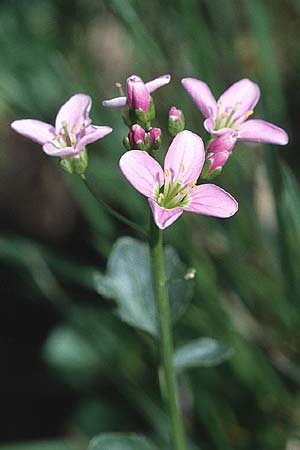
x=142 y=118
x=75 y=165
x=206 y=174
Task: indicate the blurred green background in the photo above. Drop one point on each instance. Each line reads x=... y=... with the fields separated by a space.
x=70 y=369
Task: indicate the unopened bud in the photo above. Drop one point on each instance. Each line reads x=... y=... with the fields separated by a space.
x=137 y=94
x=225 y=142
x=176 y=121
x=137 y=138
x=218 y=152
x=155 y=138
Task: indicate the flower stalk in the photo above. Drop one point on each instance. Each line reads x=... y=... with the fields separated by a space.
x=166 y=341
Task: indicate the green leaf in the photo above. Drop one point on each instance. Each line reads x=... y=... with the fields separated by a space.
x=71 y=356
x=128 y=281
x=120 y=441
x=203 y=352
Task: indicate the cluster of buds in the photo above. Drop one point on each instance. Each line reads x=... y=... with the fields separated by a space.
x=217 y=155
x=139 y=139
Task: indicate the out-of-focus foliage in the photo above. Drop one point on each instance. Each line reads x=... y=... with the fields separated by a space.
x=54 y=237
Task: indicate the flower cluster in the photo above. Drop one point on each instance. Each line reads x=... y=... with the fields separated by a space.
x=173 y=189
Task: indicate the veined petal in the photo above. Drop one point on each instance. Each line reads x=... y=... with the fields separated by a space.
x=185 y=157
x=243 y=95
x=92 y=134
x=261 y=131
x=35 y=130
x=51 y=150
x=74 y=112
x=158 y=82
x=142 y=171
x=164 y=217
x=118 y=102
x=201 y=96
x=211 y=200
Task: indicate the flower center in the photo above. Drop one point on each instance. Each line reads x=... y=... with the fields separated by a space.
x=65 y=138
x=225 y=117
x=173 y=193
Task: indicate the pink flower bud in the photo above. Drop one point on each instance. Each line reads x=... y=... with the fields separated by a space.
x=175 y=113
x=176 y=121
x=137 y=94
x=154 y=135
x=136 y=136
x=225 y=142
x=217 y=160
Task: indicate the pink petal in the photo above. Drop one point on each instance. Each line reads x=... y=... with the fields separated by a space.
x=164 y=217
x=244 y=94
x=35 y=130
x=74 y=112
x=142 y=171
x=52 y=150
x=201 y=96
x=185 y=157
x=209 y=125
x=261 y=131
x=118 y=102
x=158 y=82
x=92 y=134
x=211 y=200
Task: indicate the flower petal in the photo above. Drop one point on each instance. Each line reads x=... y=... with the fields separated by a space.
x=201 y=96
x=51 y=150
x=164 y=217
x=185 y=157
x=35 y=130
x=261 y=131
x=117 y=102
x=243 y=94
x=142 y=171
x=158 y=82
x=74 y=112
x=209 y=125
x=211 y=200
x=92 y=134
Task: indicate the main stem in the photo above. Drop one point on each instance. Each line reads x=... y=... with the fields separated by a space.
x=166 y=340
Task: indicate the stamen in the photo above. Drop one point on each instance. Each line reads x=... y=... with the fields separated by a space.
x=167 y=172
x=66 y=135
x=182 y=167
x=118 y=85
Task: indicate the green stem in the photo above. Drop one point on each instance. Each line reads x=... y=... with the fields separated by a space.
x=113 y=212
x=166 y=340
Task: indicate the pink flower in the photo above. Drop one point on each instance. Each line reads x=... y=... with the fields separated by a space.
x=176 y=114
x=72 y=132
x=173 y=190
x=138 y=93
x=232 y=110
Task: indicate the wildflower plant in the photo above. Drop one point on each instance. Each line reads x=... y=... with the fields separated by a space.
x=172 y=190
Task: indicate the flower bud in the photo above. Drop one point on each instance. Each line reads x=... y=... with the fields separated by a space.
x=176 y=121
x=137 y=138
x=155 y=138
x=137 y=94
x=225 y=142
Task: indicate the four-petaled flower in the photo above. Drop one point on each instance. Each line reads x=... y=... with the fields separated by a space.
x=232 y=110
x=173 y=190
x=138 y=93
x=72 y=132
